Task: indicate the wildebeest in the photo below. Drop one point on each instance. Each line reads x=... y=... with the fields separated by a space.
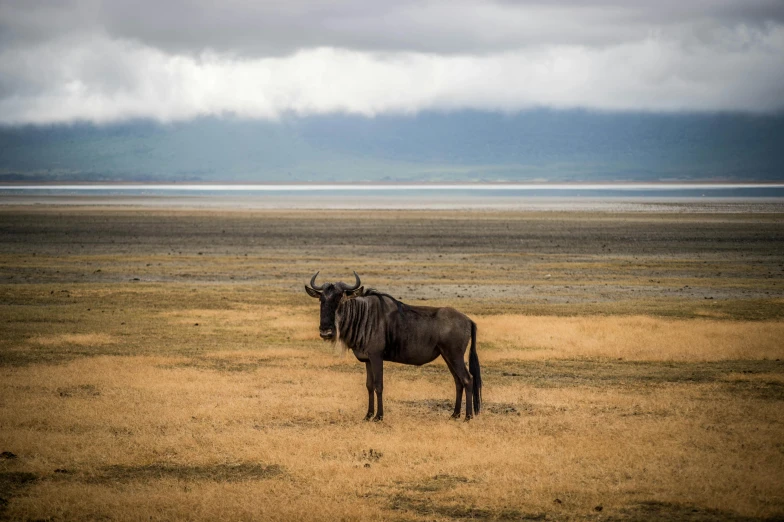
x=377 y=328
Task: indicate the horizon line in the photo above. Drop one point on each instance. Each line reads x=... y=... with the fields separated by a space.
x=305 y=186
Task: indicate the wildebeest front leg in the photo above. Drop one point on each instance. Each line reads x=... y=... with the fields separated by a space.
x=377 y=367
x=369 y=384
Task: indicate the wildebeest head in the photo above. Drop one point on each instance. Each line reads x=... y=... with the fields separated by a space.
x=331 y=295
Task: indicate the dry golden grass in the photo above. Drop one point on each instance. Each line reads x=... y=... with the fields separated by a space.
x=638 y=338
x=270 y=428
x=292 y=324
x=90 y=339
x=140 y=437
x=202 y=391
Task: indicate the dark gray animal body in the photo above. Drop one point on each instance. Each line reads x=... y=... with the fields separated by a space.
x=378 y=328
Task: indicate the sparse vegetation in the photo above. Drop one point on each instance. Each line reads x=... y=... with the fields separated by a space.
x=207 y=397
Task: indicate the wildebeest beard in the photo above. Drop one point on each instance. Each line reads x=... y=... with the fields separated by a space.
x=354 y=319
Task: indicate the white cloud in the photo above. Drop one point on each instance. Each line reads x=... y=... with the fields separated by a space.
x=114 y=64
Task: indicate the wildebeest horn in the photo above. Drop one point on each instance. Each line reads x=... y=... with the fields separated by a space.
x=346 y=288
x=313 y=283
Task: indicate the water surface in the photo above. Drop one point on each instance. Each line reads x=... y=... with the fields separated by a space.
x=664 y=197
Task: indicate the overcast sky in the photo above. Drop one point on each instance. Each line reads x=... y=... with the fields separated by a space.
x=96 y=61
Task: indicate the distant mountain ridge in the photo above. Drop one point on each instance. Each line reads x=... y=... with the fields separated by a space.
x=531 y=146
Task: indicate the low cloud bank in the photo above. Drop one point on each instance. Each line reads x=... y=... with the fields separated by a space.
x=105 y=72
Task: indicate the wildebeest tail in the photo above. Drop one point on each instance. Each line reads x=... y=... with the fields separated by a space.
x=473 y=367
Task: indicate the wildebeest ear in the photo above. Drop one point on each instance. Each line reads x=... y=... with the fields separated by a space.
x=359 y=292
x=312 y=293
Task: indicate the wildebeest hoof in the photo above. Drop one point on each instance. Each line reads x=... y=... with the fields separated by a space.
x=468 y=418
x=369 y=416
x=378 y=418
x=454 y=416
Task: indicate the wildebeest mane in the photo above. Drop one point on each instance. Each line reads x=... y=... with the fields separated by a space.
x=401 y=307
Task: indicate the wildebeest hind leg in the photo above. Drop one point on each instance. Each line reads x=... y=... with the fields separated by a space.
x=369 y=384
x=458 y=386
x=458 y=397
x=458 y=368
x=377 y=366
x=468 y=383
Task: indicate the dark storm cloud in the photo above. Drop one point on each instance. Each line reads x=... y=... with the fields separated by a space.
x=281 y=27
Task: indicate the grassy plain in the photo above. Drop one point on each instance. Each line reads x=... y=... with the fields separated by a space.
x=162 y=364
